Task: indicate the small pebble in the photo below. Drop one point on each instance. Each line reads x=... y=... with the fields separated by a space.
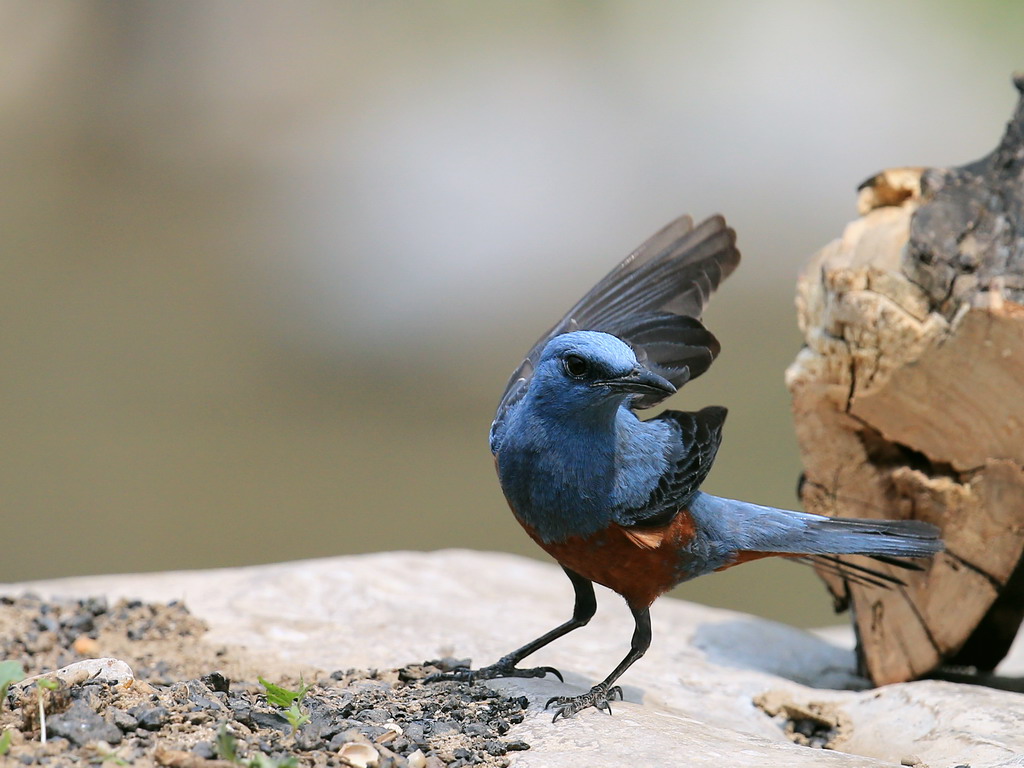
x=270 y=720
x=86 y=646
x=80 y=623
x=217 y=681
x=495 y=748
x=415 y=732
x=94 y=605
x=205 y=750
x=80 y=725
x=442 y=727
x=477 y=729
x=151 y=719
x=47 y=623
x=308 y=738
x=375 y=716
x=122 y=719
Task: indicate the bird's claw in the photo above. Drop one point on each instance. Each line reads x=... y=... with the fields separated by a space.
x=460 y=675
x=598 y=697
x=501 y=669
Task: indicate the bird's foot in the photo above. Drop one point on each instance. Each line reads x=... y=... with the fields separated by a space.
x=598 y=697
x=504 y=667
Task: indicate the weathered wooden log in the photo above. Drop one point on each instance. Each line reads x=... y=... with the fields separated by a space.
x=909 y=402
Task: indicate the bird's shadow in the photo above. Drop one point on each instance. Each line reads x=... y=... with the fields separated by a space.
x=780 y=650
x=983 y=679
x=805 y=658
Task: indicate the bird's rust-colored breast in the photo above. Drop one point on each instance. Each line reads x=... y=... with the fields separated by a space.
x=638 y=563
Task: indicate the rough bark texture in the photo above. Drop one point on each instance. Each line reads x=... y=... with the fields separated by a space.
x=909 y=401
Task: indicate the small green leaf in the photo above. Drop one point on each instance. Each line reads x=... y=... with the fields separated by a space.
x=282 y=697
x=5 y=742
x=296 y=717
x=226 y=744
x=10 y=672
x=263 y=761
x=48 y=684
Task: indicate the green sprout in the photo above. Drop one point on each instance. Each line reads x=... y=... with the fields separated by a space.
x=227 y=749
x=262 y=761
x=112 y=757
x=49 y=685
x=282 y=697
x=10 y=672
x=227 y=746
x=296 y=717
x=289 y=701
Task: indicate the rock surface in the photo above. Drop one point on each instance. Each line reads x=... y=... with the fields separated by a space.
x=690 y=701
x=105 y=670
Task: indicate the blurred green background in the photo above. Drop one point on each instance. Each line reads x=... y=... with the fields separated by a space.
x=265 y=267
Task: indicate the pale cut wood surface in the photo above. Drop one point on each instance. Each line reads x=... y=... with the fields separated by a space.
x=909 y=402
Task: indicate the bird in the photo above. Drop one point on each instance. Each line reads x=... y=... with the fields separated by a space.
x=616 y=499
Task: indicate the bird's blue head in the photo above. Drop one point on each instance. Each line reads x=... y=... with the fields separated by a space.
x=589 y=372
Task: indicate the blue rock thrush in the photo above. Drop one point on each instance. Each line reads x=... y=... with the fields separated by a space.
x=615 y=499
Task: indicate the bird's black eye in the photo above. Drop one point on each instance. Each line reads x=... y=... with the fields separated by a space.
x=576 y=366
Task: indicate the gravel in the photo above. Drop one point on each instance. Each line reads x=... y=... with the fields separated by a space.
x=184 y=709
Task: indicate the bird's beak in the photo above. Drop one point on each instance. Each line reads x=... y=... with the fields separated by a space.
x=641 y=381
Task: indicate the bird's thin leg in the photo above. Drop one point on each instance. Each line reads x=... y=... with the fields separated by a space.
x=583 y=611
x=601 y=694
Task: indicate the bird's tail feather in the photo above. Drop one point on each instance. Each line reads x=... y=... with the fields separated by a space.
x=754 y=528
x=886 y=538
x=855 y=573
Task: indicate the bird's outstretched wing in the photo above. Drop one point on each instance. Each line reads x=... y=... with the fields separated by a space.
x=699 y=435
x=652 y=300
